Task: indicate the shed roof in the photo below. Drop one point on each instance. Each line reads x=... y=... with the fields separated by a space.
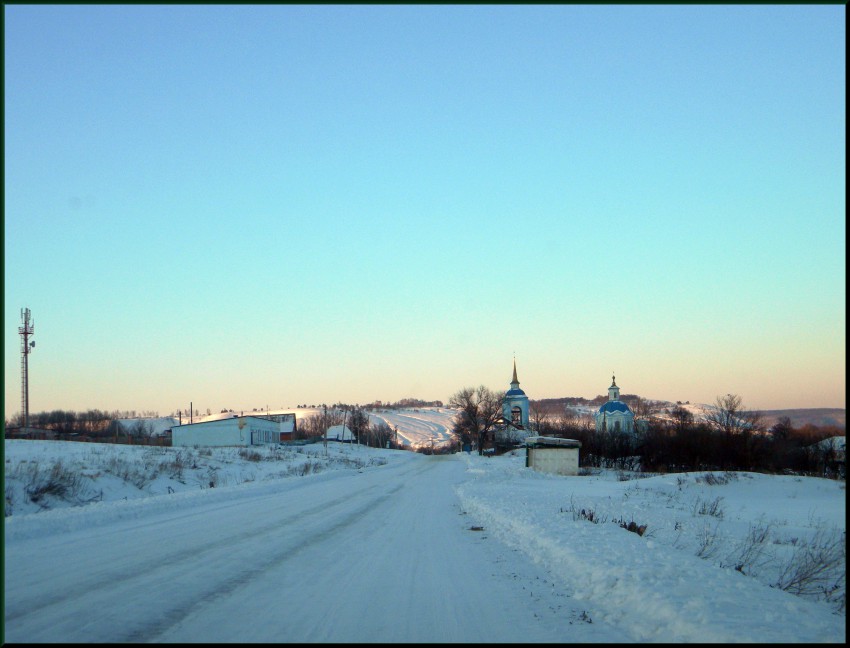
x=542 y=441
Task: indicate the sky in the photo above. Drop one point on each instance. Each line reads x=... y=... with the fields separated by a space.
x=371 y=545
x=250 y=206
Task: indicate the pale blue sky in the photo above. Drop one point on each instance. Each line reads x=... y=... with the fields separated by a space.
x=243 y=206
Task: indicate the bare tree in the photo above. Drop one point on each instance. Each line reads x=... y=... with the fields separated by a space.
x=782 y=429
x=643 y=409
x=358 y=423
x=480 y=411
x=140 y=429
x=681 y=419
x=740 y=429
x=382 y=434
x=730 y=416
x=317 y=425
x=541 y=417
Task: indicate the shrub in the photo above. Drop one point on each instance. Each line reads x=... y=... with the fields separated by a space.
x=10 y=501
x=250 y=455
x=57 y=481
x=584 y=514
x=817 y=568
x=717 y=480
x=309 y=466
x=707 y=538
x=175 y=465
x=748 y=556
x=712 y=508
x=589 y=472
x=632 y=526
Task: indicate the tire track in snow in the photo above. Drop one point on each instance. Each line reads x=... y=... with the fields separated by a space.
x=153 y=574
x=325 y=530
x=150 y=631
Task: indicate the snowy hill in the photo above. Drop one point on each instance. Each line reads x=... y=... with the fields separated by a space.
x=418 y=426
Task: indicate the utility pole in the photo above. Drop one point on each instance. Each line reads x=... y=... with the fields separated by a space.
x=325 y=426
x=25 y=330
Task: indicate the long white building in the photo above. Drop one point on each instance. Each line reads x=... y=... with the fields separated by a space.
x=236 y=431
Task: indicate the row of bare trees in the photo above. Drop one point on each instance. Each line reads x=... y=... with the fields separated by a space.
x=729 y=437
x=377 y=435
x=745 y=443
x=91 y=422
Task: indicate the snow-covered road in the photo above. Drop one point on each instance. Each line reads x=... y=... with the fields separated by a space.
x=382 y=555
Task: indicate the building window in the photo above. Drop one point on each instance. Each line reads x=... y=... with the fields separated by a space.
x=616 y=426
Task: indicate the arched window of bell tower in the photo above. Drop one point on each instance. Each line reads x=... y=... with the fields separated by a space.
x=516 y=415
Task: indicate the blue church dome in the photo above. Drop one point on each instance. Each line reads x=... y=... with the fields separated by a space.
x=614 y=406
x=515 y=392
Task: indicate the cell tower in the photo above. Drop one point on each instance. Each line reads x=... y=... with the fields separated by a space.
x=26 y=330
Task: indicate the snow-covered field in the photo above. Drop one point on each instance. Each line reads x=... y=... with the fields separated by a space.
x=724 y=557
x=418 y=427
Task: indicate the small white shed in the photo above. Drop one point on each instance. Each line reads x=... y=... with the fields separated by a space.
x=237 y=431
x=552 y=455
x=339 y=433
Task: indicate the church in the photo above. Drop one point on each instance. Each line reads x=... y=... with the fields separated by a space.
x=515 y=425
x=615 y=415
x=515 y=406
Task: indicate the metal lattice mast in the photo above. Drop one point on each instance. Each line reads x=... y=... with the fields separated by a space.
x=27 y=329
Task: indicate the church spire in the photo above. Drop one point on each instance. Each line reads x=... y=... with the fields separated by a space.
x=515 y=381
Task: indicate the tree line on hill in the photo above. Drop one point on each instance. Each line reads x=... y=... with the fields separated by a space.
x=91 y=423
x=729 y=437
x=399 y=404
x=558 y=404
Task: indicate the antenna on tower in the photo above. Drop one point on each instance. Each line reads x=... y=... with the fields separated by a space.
x=26 y=329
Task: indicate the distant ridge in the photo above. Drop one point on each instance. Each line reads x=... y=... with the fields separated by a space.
x=819 y=416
